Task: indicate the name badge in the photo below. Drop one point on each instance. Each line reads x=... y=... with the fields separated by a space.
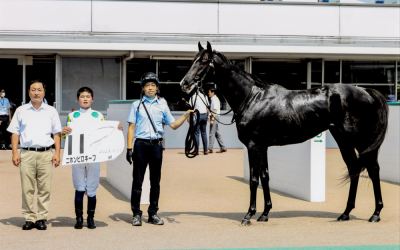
x=3 y=108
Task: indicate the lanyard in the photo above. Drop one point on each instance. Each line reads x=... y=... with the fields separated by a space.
x=2 y=103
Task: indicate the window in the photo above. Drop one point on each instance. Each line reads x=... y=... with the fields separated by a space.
x=289 y=74
x=332 y=72
x=43 y=69
x=316 y=74
x=12 y=77
x=135 y=68
x=102 y=75
x=376 y=75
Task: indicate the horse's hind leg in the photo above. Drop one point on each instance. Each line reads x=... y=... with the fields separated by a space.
x=350 y=158
x=373 y=172
x=264 y=176
x=254 y=164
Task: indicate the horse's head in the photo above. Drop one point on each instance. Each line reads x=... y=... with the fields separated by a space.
x=202 y=66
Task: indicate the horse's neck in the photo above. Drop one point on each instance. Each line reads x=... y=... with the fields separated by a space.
x=235 y=87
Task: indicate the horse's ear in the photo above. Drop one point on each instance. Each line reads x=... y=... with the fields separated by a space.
x=209 y=49
x=200 y=47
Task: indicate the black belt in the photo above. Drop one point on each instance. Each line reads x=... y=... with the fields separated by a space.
x=154 y=141
x=38 y=149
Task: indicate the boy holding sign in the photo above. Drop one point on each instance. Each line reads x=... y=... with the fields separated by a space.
x=86 y=176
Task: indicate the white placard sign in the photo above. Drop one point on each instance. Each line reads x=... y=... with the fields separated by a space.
x=100 y=141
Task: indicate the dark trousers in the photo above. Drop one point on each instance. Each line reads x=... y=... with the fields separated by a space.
x=4 y=135
x=203 y=128
x=146 y=153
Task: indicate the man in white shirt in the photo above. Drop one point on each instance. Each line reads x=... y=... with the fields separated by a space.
x=214 y=132
x=33 y=124
x=201 y=101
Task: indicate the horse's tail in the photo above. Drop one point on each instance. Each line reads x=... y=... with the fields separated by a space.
x=381 y=110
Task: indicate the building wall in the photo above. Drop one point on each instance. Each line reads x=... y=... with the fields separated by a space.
x=233 y=22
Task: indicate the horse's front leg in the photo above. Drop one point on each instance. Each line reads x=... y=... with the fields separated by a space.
x=254 y=165
x=264 y=176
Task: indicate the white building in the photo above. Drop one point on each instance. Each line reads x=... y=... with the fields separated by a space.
x=107 y=45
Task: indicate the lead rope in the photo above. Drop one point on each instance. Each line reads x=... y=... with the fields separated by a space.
x=191 y=146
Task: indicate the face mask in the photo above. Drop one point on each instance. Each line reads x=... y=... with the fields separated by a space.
x=3 y=94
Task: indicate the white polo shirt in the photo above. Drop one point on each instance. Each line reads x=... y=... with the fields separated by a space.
x=215 y=104
x=35 y=127
x=200 y=106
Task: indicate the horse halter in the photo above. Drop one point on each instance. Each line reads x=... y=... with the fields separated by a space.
x=209 y=65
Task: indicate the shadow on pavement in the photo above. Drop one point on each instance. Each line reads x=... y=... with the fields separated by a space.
x=13 y=221
x=114 y=192
x=70 y=222
x=170 y=216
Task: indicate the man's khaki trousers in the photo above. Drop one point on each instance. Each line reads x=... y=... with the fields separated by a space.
x=36 y=167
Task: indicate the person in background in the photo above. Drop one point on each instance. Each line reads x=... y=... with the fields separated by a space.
x=5 y=118
x=389 y=97
x=214 y=132
x=32 y=124
x=201 y=101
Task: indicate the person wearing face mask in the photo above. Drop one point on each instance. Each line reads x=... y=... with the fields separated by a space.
x=33 y=124
x=5 y=118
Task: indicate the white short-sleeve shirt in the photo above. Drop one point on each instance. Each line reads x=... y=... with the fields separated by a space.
x=215 y=104
x=200 y=106
x=35 y=127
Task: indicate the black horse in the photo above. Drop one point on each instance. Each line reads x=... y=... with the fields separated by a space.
x=269 y=115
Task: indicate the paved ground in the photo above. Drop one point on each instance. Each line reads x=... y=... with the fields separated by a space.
x=202 y=202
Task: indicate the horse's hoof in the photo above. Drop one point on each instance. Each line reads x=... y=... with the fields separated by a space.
x=343 y=217
x=374 y=218
x=263 y=218
x=245 y=223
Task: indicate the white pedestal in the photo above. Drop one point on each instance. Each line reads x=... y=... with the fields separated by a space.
x=389 y=155
x=119 y=172
x=298 y=170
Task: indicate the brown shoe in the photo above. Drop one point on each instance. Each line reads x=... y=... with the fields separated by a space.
x=206 y=153
x=210 y=151
x=222 y=150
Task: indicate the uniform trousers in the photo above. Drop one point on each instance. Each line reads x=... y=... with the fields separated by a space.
x=4 y=135
x=214 y=133
x=145 y=153
x=36 y=168
x=86 y=177
x=203 y=128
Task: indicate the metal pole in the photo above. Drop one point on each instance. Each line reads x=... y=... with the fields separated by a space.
x=58 y=83
x=308 y=75
x=323 y=72
x=340 y=71
x=23 y=80
x=123 y=87
x=396 y=77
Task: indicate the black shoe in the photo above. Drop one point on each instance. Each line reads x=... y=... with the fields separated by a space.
x=79 y=214
x=41 y=225
x=28 y=225
x=90 y=212
x=154 y=219
x=137 y=220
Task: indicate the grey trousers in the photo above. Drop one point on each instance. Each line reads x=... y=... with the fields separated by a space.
x=214 y=133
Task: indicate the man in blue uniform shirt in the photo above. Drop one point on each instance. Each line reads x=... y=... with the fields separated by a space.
x=146 y=119
x=5 y=117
